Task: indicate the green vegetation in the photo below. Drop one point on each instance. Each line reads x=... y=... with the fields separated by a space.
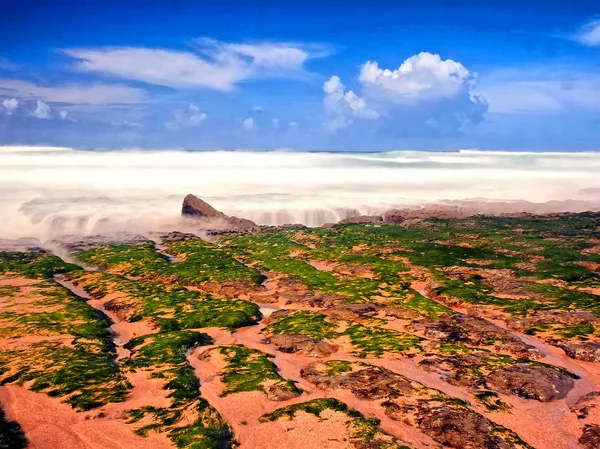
x=201 y=262
x=361 y=430
x=491 y=401
x=11 y=434
x=304 y=322
x=164 y=355
x=338 y=367
x=171 y=307
x=376 y=341
x=251 y=370
x=33 y=265
x=73 y=355
x=371 y=341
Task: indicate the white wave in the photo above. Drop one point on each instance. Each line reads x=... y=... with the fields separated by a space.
x=45 y=191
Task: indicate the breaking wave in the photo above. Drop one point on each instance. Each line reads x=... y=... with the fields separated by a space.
x=47 y=191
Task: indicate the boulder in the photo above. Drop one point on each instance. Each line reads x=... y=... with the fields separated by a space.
x=196 y=207
x=218 y=222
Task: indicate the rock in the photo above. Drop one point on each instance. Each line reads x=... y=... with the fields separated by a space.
x=278 y=393
x=220 y=224
x=301 y=344
x=474 y=331
x=364 y=219
x=587 y=351
x=458 y=428
x=590 y=438
x=368 y=383
x=531 y=381
x=194 y=206
x=587 y=404
x=351 y=312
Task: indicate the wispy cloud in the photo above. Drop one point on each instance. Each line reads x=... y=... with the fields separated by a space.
x=94 y=94
x=213 y=64
x=589 y=34
x=541 y=91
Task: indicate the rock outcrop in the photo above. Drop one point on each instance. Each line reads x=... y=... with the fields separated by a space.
x=301 y=344
x=219 y=223
x=532 y=382
x=196 y=207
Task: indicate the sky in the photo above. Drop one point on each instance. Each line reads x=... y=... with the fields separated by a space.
x=311 y=75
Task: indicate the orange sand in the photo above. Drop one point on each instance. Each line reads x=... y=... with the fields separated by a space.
x=50 y=424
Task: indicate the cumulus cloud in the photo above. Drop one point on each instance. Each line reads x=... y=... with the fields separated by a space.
x=419 y=77
x=343 y=105
x=424 y=89
x=192 y=116
x=589 y=34
x=275 y=123
x=94 y=94
x=214 y=64
x=63 y=114
x=10 y=105
x=42 y=110
x=248 y=123
x=294 y=125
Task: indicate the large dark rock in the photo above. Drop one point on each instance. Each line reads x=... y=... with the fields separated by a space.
x=196 y=207
x=217 y=222
x=531 y=381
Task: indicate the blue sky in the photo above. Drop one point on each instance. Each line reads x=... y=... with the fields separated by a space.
x=311 y=75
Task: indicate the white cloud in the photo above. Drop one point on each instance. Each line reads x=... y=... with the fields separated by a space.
x=215 y=64
x=344 y=106
x=275 y=123
x=256 y=108
x=63 y=114
x=74 y=93
x=294 y=125
x=192 y=116
x=42 y=110
x=424 y=89
x=248 y=123
x=195 y=116
x=10 y=105
x=421 y=76
x=589 y=34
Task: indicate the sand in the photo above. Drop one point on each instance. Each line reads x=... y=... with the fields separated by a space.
x=50 y=424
